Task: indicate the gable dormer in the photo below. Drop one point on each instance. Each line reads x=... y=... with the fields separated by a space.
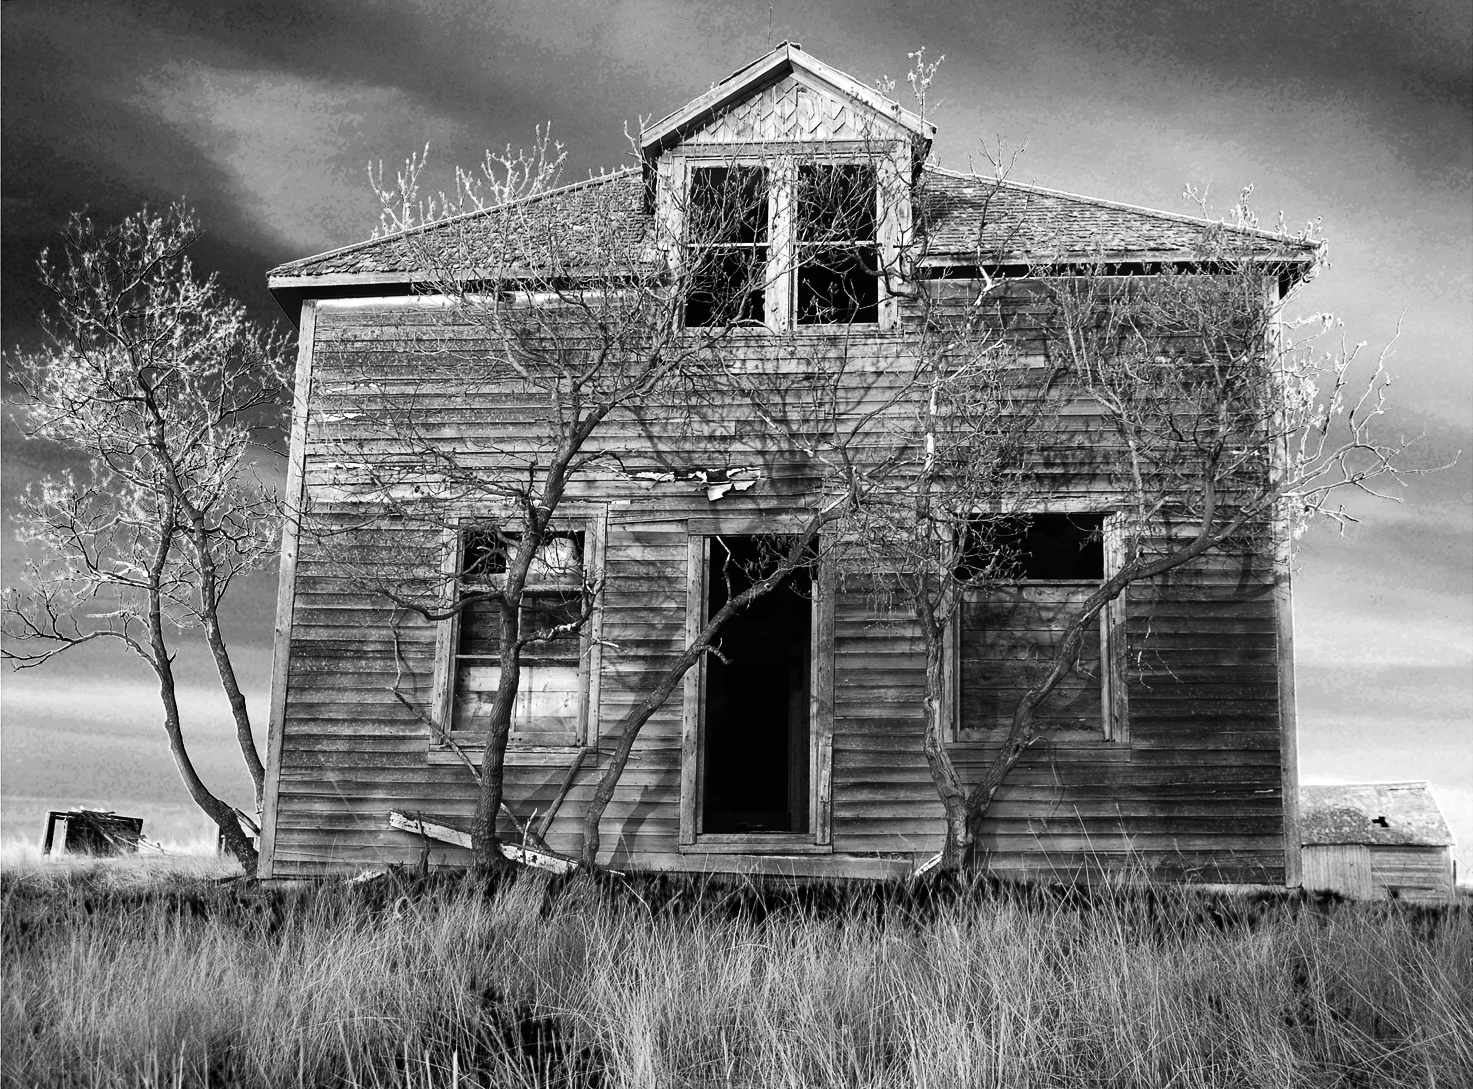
x=811 y=172
x=787 y=96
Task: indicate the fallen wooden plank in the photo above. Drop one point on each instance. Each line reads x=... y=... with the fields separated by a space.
x=446 y=833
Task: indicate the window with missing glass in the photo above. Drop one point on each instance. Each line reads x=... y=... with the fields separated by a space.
x=835 y=245
x=1009 y=631
x=782 y=244
x=727 y=233
x=552 y=689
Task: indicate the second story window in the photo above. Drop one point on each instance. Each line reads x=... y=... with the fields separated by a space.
x=781 y=244
x=836 y=256
x=727 y=245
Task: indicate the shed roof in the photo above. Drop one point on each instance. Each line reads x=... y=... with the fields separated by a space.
x=1376 y=814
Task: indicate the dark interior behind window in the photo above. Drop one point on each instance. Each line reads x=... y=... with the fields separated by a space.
x=726 y=245
x=837 y=254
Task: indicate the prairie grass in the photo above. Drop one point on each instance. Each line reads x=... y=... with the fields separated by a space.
x=112 y=978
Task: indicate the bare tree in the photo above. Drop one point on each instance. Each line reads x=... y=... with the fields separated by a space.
x=160 y=388
x=581 y=330
x=1212 y=432
x=616 y=354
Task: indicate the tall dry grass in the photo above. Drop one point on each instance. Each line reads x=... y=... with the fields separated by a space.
x=187 y=981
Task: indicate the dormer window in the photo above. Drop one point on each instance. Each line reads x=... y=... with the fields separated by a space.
x=727 y=247
x=781 y=243
x=835 y=246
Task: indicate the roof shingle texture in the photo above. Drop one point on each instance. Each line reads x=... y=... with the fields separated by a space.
x=1375 y=814
x=605 y=219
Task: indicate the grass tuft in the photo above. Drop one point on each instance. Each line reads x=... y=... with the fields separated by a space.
x=120 y=974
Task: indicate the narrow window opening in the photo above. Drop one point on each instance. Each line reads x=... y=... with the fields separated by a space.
x=836 y=249
x=727 y=240
x=756 y=707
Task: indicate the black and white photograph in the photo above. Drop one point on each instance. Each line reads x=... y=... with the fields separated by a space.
x=751 y=544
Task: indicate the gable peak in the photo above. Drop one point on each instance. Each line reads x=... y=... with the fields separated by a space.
x=789 y=65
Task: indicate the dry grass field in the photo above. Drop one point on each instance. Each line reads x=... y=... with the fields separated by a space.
x=160 y=973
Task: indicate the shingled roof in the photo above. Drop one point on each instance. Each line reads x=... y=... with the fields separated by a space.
x=966 y=215
x=519 y=233
x=962 y=213
x=1375 y=814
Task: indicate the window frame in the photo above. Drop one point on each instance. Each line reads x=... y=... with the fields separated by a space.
x=781 y=169
x=1114 y=725
x=764 y=245
x=592 y=524
x=807 y=254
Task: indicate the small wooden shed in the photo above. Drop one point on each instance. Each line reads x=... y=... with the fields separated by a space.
x=1376 y=840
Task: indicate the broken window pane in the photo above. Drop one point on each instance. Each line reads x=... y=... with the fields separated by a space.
x=549 y=688
x=726 y=246
x=1050 y=564
x=836 y=248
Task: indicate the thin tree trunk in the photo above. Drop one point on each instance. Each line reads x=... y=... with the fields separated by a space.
x=209 y=597
x=243 y=736
x=957 y=846
x=223 y=814
x=236 y=841
x=485 y=844
x=629 y=728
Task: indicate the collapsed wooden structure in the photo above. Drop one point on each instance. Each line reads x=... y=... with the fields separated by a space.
x=91 y=832
x=1175 y=751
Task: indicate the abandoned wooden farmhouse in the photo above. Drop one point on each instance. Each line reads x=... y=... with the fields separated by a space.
x=798 y=749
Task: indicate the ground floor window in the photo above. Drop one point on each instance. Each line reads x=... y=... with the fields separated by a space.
x=552 y=689
x=1007 y=634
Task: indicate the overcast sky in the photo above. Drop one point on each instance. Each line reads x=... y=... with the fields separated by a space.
x=264 y=115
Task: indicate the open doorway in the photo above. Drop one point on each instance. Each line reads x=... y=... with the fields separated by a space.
x=756 y=702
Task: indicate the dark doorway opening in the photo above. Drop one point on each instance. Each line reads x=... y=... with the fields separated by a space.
x=756 y=702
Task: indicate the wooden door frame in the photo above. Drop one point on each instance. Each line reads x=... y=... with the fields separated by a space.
x=818 y=839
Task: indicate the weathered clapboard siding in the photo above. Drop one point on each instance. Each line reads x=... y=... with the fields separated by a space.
x=1201 y=773
x=1193 y=784
x=1196 y=792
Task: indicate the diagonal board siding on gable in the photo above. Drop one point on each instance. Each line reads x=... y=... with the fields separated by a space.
x=790 y=109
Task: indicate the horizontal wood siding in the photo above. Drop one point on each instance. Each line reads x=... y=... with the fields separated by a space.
x=1196 y=792
x=1412 y=873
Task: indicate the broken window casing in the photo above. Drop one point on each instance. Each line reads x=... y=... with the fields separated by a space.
x=782 y=244
x=727 y=248
x=836 y=246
